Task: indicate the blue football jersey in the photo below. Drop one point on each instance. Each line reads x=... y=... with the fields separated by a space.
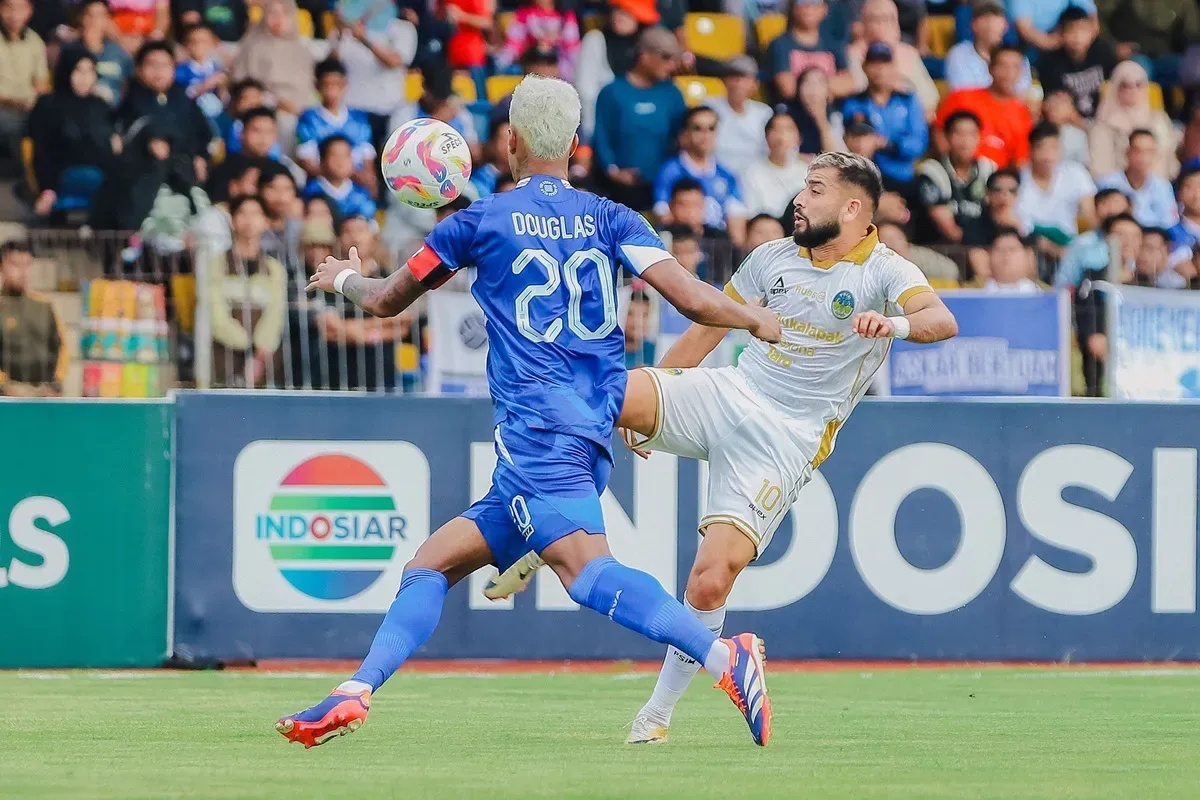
x=315 y=125
x=546 y=257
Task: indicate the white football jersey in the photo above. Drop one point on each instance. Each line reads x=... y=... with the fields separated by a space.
x=821 y=368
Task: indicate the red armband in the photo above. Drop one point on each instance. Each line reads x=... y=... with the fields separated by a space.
x=427 y=267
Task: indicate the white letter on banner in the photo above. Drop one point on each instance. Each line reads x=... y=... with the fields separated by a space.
x=1100 y=538
x=1173 y=537
x=22 y=526
x=873 y=528
x=802 y=567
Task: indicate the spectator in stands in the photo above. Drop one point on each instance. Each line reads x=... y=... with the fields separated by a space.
x=881 y=25
x=284 y=210
x=376 y=60
x=740 y=120
x=723 y=206
x=1090 y=322
x=687 y=210
x=1089 y=252
x=331 y=117
x=495 y=160
x=1185 y=236
x=24 y=73
x=72 y=133
x=139 y=20
x=1154 y=203
x=637 y=120
x=608 y=52
x=803 y=47
x=536 y=61
x=244 y=96
x=769 y=184
x=1006 y=120
x=1036 y=21
x=1081 y=64
x=999 y=211
x=935 y=266
x=201 y=75
x=1055 y=195
x=967 y=63
x=952 y=188
x=226 y=18
x=472 y=21
x=1059 y=109
x=1153 y=267
x=248 y=296
x=33 y=351
x=336 y=181
x=762 y=229
x=272 y=53
x=687 y=249
x=155 y=97
x=258 y=148
x=1125 y=109
x=639 y=344
x=896 y=116
x=439 y=102
x=1012 y=264
x=113 y=64
x=542 y=23
x=862 y=140
x=1153 y=31
x=820 y=129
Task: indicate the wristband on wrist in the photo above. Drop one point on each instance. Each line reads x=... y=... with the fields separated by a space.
x=903 y=327
x=340 y=281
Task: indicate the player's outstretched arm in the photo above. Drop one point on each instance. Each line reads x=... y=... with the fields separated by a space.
x=926 y=319
x=379 y=297
x=707 y=305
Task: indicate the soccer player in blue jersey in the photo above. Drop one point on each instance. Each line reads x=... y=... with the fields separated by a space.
x=545 y=255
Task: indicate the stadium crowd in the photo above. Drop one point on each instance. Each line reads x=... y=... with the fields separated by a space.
x=1039 y=144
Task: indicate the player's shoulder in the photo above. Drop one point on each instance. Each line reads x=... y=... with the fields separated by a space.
x=884 y=263
x=775 y=255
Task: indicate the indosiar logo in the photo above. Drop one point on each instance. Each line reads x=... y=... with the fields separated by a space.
x=326 y=526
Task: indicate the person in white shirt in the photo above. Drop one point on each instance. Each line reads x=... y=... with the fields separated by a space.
x=769 y=184
x=740 y=120
x=1054 y=195
x=968 y=63
x=1012 y=264
x=1154 y=202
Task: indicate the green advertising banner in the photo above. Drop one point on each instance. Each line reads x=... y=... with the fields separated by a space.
x=84 y=533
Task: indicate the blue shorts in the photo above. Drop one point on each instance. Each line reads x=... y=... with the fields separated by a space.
x=546 y=485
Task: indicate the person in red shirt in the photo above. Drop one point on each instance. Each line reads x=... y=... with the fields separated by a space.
x=1005 y=120
x=472 y=19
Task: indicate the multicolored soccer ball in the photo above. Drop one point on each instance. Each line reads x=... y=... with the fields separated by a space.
x=426 y=163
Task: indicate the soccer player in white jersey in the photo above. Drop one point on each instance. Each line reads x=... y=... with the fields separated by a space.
x=765 y=425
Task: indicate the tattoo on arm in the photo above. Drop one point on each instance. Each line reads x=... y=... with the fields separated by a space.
x=383 y=297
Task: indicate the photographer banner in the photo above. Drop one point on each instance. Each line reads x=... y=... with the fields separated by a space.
x=1154 y=336
x=1008 y=344
x=960 y=530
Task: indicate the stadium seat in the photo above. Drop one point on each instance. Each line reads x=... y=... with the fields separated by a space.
x=501 y=86
x=464 y=86
x=943 y=88
x=719 y=36
x=768 y=28
x=941 y=34
x=254 y=12
x=27 y=162
x=591 y=22
x=304 y=24
x=414 y=86
x=328 y=21
x=696 y=88
x=503 y=20
x=1156 y=95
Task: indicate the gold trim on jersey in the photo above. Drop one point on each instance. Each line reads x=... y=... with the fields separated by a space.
x=910 y=293
x=829 y=435
x=659 y=412
x=743 y=527
x=857 y=255
x=732 y=292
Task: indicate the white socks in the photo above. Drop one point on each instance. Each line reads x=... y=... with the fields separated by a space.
x=353 y=687
x=679 y=668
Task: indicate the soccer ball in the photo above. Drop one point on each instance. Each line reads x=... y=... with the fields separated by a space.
x=426 y=163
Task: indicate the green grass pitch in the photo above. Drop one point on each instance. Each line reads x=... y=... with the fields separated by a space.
x=920 y=734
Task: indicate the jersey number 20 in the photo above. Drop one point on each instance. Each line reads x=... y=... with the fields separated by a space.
x=556 y=274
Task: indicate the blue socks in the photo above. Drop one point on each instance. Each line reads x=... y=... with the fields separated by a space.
x=409 y=622
x=637 y=601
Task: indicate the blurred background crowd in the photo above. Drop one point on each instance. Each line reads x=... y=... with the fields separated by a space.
x=217 y=150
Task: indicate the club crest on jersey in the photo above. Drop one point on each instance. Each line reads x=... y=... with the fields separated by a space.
x=548 y=188
x=842 y=305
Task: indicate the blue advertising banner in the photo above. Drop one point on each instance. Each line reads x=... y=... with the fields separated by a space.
x=1008 y=344
x=981 y=530
x=1155 y=341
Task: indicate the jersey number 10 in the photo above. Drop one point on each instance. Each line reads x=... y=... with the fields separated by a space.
x=556 y=275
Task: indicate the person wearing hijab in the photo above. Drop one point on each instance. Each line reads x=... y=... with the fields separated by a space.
x=273 y=53
x=607 y=52
x=1123 y=110
x=71 y=128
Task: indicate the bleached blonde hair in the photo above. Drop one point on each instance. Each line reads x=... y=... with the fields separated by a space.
x=545 y=112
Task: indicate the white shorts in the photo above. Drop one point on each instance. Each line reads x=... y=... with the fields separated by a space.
x=758 y=459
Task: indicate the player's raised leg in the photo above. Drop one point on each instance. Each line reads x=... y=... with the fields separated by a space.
x=453 y=552
x=723 y=554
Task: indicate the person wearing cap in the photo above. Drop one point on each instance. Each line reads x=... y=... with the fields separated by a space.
x=740 y=120
x=637 y=120
x=896 y=116
x=607 y=52
x=1003 y=114
x=803 y=46
x=967 y=62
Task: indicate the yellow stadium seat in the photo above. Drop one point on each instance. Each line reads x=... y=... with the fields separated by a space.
x=329 y=21
x=408 y=357
x=1155 y=91
x=503 y=20
x=414 y=86
x=719 y=36
x=768 y=28
x=255 y=14
x=27 y=162
x=941 y=34
x=592 y=22
x=696 y=89
x=304 y=24
x=943 y=88
x=463 y=86
x=501 y=86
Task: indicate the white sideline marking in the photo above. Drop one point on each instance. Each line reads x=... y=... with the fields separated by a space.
x=43 y=676
x=1178 y=672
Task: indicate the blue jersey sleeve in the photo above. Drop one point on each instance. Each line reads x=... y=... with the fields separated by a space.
x=671 y=172
x=306 y=134
x=635 y=242
x=448 y=247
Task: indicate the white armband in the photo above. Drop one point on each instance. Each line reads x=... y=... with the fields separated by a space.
x=340 y=281
x=903 y=327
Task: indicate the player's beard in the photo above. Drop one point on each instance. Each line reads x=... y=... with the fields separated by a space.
x=816 y=235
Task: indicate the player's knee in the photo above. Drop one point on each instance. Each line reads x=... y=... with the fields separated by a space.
x=709 y=585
